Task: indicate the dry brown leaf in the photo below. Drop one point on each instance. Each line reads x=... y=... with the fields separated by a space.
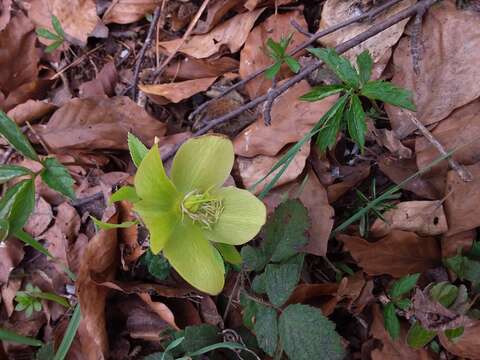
x=466 y=346
x=5 y=8
x=103 y=84
x=253 y=4
x=462 y=242
x=78 y=18
x=393 y=350
x=191 y=68
x=163 y=94
x=160 y=309
x=322 y=295
x=129 y=11
x=215 y=11
x=30 y=111
x=254 y=55
x=11 y=253
x=209 y=312
x=9 y=291
x=253 y=169
x=138 y=288
x=398 y=254
x=462 y=199
x=388 y=139
x=99 y=123
x=291 y=120
x=336 y=11
x=231 y=33
x=448 y=77
x=40 y=218
x=350 y=177
x=422 y=217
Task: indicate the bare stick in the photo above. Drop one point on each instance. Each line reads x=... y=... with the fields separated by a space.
x=267 y=105
x=146 y=45
x=299 y=28
x=343 y=47
x=464 y=174
x=368 y=15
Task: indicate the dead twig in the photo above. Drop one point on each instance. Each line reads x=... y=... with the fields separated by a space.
x=267 y=105
x=75 y=62
x=301 y=30
x=464 y=174
x=422 y=5
x=146 y=45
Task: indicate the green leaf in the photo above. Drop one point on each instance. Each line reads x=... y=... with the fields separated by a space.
x=157 y=265
x=199 y=336
x=137 y=149
x=281 y=280
x=69 y=334
x=17 y=204
x=125 y=193
x=57 y=177
x=249 y=310
x=253 y=258
x=266 y=329
x=29 y=240
x=276 y=50
x=306 y=334
x=454 y=334
x=388 y=93
x=229 y=253
x=4 y=229
x=9 y=172
x=365 y=65
x=465 y=268
x=403 y=286
x=355 y=116
x=444 y=293
x=13 y=134
x=418 y=336
x=392 y=324
x=339 y=65
x=54 y=46
x=47 y=34
x=10 y=336
x=46 y=352
x=57 y=26
x=52 y=297
x=273 y=70
x=293 y=64
x=327 y=135
x=159 y=356
x=321 y=92
x=403 y=304
x=108 y=226
x=259 y=284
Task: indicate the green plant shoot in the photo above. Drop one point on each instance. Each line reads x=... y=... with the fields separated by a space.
x=57 y=37
x=278 y=52
x=192 y=219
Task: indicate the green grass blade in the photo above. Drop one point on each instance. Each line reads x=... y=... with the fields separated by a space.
x=52 y=297
x=225 y=345
x=172 y=346
x=7 y=335
x=69 y=334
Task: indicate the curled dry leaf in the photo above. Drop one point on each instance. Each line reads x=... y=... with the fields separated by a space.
x=78 y=18
x=99 y=123
x=175 y=92
x=40 y=218
x=231 y=33
x=138 y=288
x=128 y=11
x=190 y=68
x=398 y=254
x=336 y=11
x=254 y=55
x=448 y=77
x=30 y=111
x=5 y=8
x=291 y=120
x=423 y=217
x=103 y=84
x=11 y=253
x=350 y=176
x=215 y=11
x=466 y=346
x=253 y=169
x=388 y=139
x=322 y=295
x=462 y=199
x=209 y=312
x=160 y=309
x=460 y=242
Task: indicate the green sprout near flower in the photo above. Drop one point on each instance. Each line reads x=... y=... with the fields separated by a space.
x=192 y=219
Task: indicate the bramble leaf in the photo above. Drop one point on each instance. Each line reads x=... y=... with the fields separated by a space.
x=266 y=328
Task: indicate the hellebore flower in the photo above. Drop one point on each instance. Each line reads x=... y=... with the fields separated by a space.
x=190 y=215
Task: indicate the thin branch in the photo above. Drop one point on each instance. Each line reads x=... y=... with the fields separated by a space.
x=299 y=28
x=267 y=105
x=462 y=172
x=146 y=45
x=368 y=15
x=422 y=5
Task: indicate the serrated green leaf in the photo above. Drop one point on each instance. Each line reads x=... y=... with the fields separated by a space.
x=57 y=177
x=54 y=46
x=365 y=66
x=137 y=149
x=418 y=336
x=444 y=293
x=125 y=193
x=403 y=286
x=293 y=64
x=57 y=26
x=454 y=334
x=321 y=92
x=10 y=336
x=249 y=310
x=47 y=34
x=339 y=65
x=392 y=324
x=199 y=336
x=388 y=93
x=266 y=329
x=108 y=226
x=9 y=172
x=281 y=280
x=306 y=334
x=327 y=136
x=273 y=70
x=157 y=265
x=356 y=124
x=10 y=131
x=253 y=258
x=259 y=284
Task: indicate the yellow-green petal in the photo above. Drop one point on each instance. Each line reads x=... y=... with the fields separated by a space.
x=229 y=253
x=160 y=224
x=242 y=218
x=202 y=163
x=152 y=183
x=195 y=259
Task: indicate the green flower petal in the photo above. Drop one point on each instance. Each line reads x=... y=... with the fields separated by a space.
x=195 y=259
x=161 y=224
x=202 y=163
x=152 y=183
x=229 y=253
x=242 y=218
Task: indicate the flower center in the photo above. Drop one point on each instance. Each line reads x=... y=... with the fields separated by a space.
x=202 y=208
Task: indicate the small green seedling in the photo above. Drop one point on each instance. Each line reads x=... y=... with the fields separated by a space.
x=29 y=300
x=354 y=85
x=192 y=219
x=58 y=37
x=278 y=52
